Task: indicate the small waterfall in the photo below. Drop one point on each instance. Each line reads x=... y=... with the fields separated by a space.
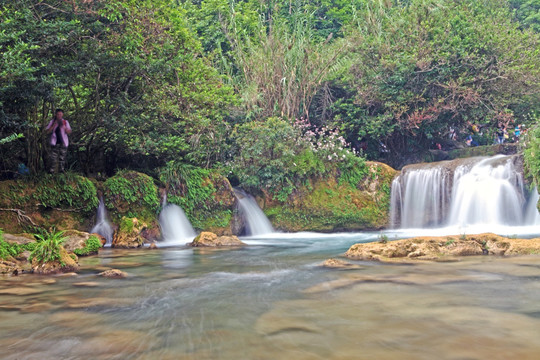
x=532 y=215
x=103 y=227
x=175 y=226
x=256 y=222
x=488 y=193
x=419 y=197
x=463 y=192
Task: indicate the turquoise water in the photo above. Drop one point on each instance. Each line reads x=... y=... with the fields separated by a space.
x=272 y=300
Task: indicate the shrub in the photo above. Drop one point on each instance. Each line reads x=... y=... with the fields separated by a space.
x=8 y=250
x=48 y=245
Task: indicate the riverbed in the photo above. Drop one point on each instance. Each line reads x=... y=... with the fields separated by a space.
x=273 y=300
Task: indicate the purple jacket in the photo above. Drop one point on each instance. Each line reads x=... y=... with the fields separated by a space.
x=52 y=126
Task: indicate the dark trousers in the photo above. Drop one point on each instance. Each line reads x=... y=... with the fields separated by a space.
x=58 y=158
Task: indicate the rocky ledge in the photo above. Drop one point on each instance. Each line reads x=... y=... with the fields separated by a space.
x=443 y=248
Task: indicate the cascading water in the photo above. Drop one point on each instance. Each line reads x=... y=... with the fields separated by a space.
x=462 y=193
x=175 y=226
x=256 y=222
x=103 y=227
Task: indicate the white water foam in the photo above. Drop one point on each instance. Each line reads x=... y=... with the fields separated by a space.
x=257 y=223
x=102 y=226
x=175 y=226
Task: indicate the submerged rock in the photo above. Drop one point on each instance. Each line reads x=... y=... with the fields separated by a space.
x=113 y=274
x=339 y=264
x=208 y=239
x=442 y=247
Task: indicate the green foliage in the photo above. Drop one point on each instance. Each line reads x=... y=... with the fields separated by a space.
x=48 y=245
x=422 y=68
x=527 y=13
x=67 y=191
x=382 y=238
x=92 y=245
x=131 y=194
x=353 y=171
x=10 y=138
x=199 y=193
x=532 y=155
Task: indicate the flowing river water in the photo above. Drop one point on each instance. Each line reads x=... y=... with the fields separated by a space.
x=272 y=300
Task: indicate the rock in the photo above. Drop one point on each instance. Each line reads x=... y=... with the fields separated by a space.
x=86 y=284
x=37 y=307
x=113 y=274
x=153 y=246
x=18 y=239
x=67 y=263
x=443 y=247
x=128 y=235
x=208 y=239
x=75 y=240
x=339 y=264
x=101 y=238
x=20 y=291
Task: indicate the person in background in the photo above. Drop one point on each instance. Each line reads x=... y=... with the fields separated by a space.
x=59 y=129
x=501 y=129
x=517 y=132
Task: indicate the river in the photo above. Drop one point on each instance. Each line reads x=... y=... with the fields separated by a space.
x=272 y=300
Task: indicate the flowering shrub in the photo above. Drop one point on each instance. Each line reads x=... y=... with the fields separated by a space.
x=277 y=156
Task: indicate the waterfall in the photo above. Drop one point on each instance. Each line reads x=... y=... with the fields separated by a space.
x=488 y=193
x=175 y=226
x=256 y=222
x=461 y=193
x=103 y=227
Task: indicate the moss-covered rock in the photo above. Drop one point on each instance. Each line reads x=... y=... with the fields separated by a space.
x=205 y=195
x=129 y=233
x=332 y=205
x=131 y=194
x=65 y=201
x=81 y=243
x=67 y=263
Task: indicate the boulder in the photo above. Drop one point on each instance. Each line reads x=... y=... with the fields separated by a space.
x=208 y=239
x=113 y=274
x=128 y=235
x=443 y=247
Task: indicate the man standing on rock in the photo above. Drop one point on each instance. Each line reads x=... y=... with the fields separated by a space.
x=59 y=129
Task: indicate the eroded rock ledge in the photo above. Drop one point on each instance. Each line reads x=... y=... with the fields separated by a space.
x=443 y=247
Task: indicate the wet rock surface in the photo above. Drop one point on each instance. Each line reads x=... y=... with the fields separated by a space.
x=208 y=239
x=443 y=247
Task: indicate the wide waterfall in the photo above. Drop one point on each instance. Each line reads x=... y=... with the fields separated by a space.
x=256 y=222
x=175 y=226
x=462 y=193
x=103 y=227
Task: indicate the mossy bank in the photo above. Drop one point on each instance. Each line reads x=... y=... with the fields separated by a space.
x=335 y=203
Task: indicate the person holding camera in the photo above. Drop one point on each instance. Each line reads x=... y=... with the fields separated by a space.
x=59 y=129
